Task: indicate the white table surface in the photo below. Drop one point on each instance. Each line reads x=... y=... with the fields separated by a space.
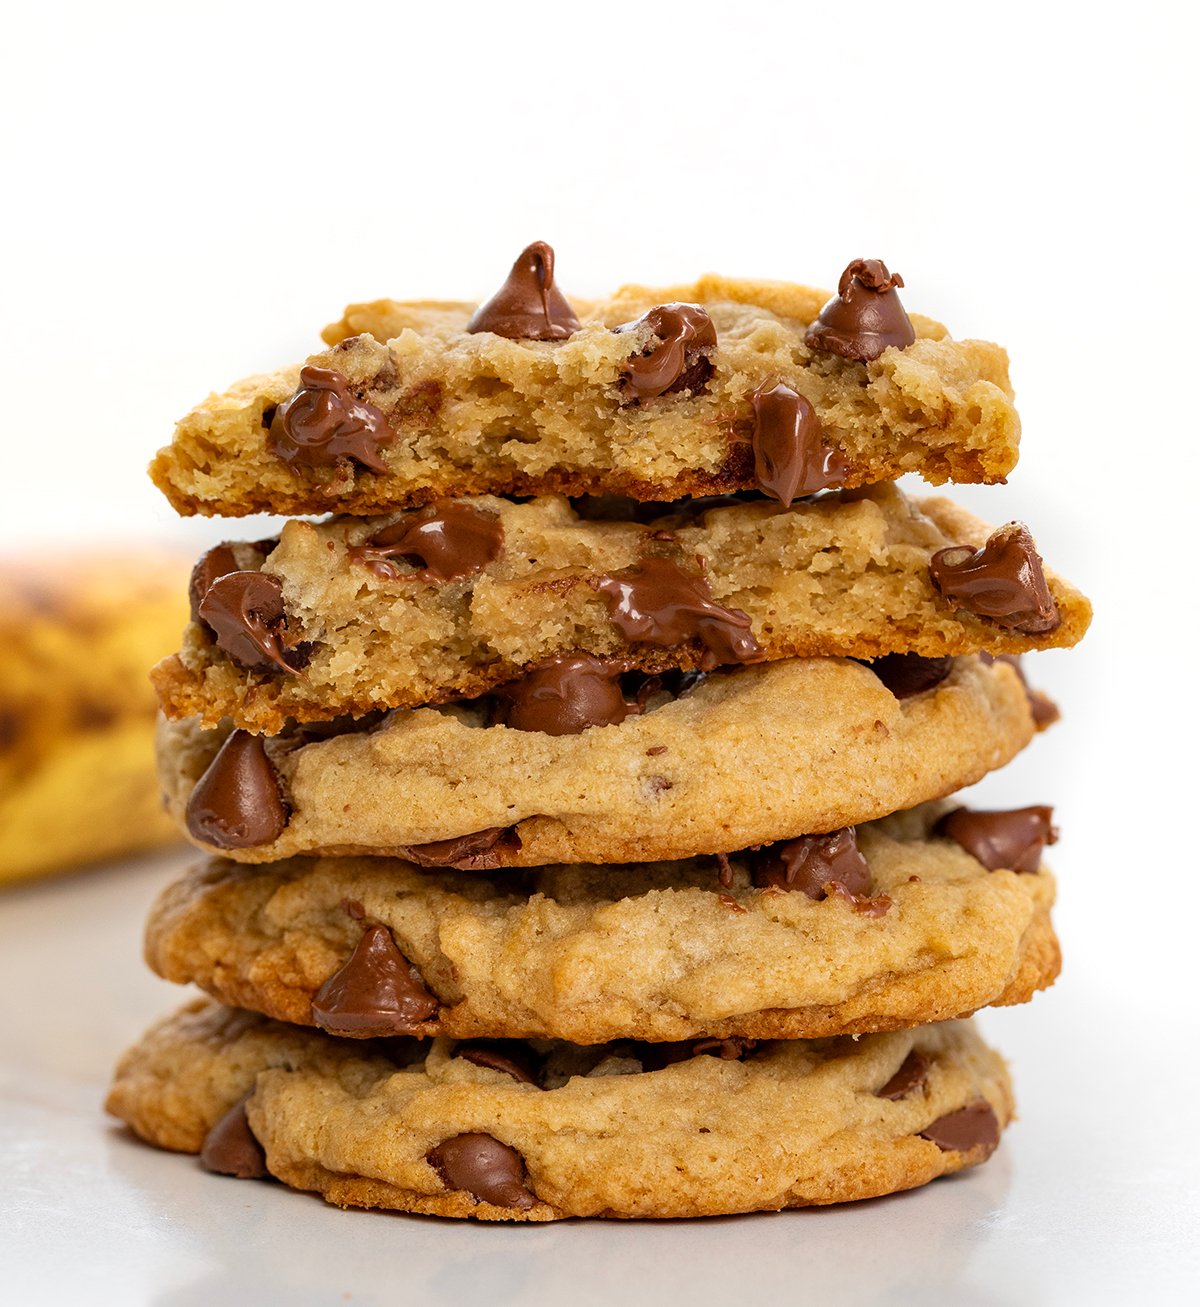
x=1091 y=1199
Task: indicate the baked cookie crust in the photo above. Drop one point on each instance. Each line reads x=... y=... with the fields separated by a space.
x=788 y=1124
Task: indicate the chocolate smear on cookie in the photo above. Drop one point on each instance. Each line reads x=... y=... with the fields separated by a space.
x=529 y=306
x=238 y=803
x=230 y=1147
x=377 y=992
x=910 y=1076
x=790 y=458
x=681 y=359
x=1003 y=580
x=244 y=611
x=657 y=602
x=482 y=850
x=485 y=1168
x=326 y=421
x=865 y=317
x=812 y=864
x=444 y=542
x=1010 y=840
x=217 y=562
x=509 y=1056
x=1042 y=708
x=907 y=674
x=970 y=1127
x=566 y=695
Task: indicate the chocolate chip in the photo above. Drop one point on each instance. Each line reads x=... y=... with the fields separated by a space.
x=654 y=1057
x=488 y=1170
x=230 y=1147
x=790 y=458
x=377 y=992
x=725 y=874
x=680 y=361
x=237 y=803
x=1042 y=708
x=973 y=1126
x=482 y=850
x=909 y=1077
x=907 y=674
x=325 y=422
x=865 y=317
x=529 y=306
x=1011 y=840
x=218 y=561
x=1003 y=580
x=812 y=864
x=445 y=542
x=565 y=695
x=509 y=1056
x=244 y=611
x=657 y=602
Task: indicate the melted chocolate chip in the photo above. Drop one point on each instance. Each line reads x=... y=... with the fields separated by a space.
x=1012 y=840
x=865 y=317
x=445 y=542
x=218 y=562
x=657 y=602
x=909 y=1077
x=237 y=803
x=377 y=992
x=680 y=361
x=488 y=1170
x=1003 y=580
x=529 y=306
x=813 y=864
x=244 y=611
x=565 y=696
x=654 y=1057
x=1042 y=708
x=325 y=422
x=482 y=850
x=509 y=1056
x=230 y=1147
x=906 y=674
x=790 y=458
x=970 y=1127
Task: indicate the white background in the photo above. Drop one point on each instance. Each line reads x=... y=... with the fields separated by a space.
x=190 y=192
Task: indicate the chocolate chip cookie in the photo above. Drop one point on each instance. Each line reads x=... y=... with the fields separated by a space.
x=889 y=924
x=577 y=762
x=351 y=615
x=536 y=1133
x=709 y=388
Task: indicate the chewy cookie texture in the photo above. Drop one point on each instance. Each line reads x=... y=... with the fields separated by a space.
x=710 y=763
x=580 y=780
x=352 y=615
x=536 y=1133
x=719 y=386
x=896 y=923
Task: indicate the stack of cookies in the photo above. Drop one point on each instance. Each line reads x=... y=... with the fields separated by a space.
x=576 y=786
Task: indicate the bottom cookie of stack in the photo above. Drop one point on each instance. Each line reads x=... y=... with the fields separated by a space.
x=505 y=1130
